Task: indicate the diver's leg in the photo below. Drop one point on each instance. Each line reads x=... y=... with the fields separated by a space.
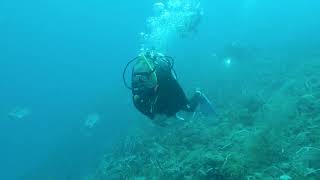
x=193 y=102
x=205 y=108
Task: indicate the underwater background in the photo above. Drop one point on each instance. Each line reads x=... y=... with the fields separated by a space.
x=65 y=113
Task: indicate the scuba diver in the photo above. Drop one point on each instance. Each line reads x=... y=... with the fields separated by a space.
x=156 y=92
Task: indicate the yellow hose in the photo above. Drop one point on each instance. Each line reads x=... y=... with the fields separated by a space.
x=154 y=75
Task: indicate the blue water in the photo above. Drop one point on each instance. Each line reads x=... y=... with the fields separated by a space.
x=64 y=60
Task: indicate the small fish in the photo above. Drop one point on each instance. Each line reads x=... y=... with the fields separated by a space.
x=92 y=120
x=20 y=112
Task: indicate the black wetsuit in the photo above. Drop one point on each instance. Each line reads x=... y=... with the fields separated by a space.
x=167 y=98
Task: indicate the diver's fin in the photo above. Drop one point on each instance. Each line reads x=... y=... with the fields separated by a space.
x=205 y=107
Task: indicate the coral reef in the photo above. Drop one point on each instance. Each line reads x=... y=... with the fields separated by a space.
x=270 y=133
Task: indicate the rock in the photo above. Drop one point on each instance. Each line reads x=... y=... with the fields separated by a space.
x=308 y=104
x=285 y=177
x=285 y=166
